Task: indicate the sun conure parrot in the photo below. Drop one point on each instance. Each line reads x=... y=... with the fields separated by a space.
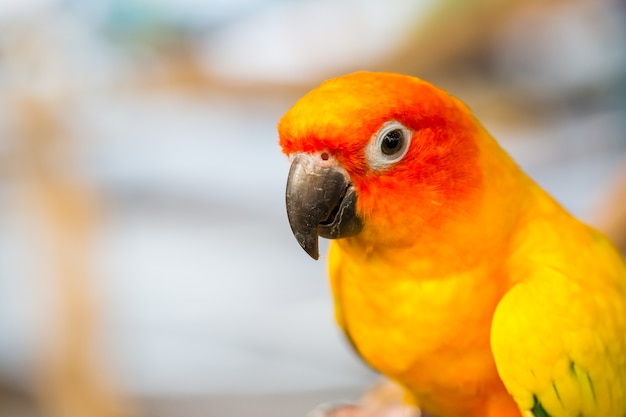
x=453 y=273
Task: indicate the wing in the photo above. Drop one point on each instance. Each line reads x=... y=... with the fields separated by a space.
x=560 y=346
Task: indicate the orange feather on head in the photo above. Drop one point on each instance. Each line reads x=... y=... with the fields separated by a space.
x=439 y=172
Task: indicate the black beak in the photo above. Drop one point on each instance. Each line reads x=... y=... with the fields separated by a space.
x=321 y=201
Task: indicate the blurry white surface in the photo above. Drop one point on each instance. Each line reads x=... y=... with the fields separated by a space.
x=302 y=40
x=588 y=35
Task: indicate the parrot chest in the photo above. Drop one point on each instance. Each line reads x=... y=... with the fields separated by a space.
x=431 y=335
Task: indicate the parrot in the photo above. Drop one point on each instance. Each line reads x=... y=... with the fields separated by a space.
x=452 y=272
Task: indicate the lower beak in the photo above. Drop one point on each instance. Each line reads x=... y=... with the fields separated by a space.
x=321 y=201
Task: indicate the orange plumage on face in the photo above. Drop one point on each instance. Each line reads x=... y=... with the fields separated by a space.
x=439 y=171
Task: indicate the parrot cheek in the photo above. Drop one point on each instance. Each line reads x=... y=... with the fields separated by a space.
x=321 y=201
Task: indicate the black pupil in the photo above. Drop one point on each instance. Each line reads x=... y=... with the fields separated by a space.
x=392 y=142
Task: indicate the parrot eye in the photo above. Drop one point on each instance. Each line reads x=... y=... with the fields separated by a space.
x=392 y=142
x=388 y=146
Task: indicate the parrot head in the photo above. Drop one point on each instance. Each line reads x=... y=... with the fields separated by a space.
x=378 y=157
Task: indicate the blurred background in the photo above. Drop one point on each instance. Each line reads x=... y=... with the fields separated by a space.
x=146 y=263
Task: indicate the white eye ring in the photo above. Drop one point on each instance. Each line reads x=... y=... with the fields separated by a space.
x=389 y=145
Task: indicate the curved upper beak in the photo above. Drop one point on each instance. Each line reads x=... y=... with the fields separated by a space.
x=321 y=201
